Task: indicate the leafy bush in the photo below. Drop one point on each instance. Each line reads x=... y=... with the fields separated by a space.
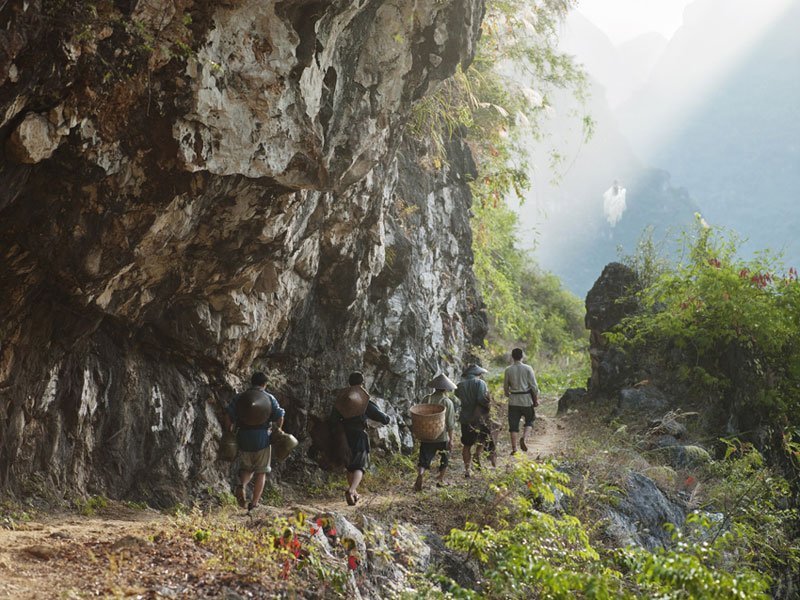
x=729 y=327
x=528 y=553
x=274 y=551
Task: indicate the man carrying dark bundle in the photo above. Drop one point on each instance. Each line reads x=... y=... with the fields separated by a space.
x=251 y=414
x=444 y=443
x=351 y=409
x=474 y=418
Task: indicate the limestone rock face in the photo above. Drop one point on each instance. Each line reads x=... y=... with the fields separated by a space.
x=332 y=84
x=227 y=188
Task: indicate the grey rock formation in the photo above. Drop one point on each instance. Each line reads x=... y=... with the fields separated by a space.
x=226 y=193
x=644 y=398
x=640 y=515
x=608 y=302
x=571 y=399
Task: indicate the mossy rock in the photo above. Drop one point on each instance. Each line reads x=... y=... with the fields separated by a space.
x=695 y=455
x=665 y=477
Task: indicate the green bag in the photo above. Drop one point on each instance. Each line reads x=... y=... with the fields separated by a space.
x=228 y=448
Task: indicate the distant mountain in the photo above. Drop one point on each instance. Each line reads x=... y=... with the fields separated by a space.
x=574 y=239
x=727 y=124
x=563 y=212
x=619 y=75
x=641 y=54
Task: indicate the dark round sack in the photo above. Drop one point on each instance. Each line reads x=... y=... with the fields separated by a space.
x=253 y=407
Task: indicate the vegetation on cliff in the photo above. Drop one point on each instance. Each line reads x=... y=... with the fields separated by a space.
x=501 y=97
x=728 y=327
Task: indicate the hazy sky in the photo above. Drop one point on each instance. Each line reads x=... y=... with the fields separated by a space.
x=622 y=20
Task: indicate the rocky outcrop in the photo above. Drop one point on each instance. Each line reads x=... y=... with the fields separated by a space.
x=640 y=515
x=609 y=301
x=193 y=189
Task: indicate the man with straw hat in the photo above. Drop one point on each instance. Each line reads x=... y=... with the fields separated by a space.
x=474 y=418
x=351 y=409
x=444 y=443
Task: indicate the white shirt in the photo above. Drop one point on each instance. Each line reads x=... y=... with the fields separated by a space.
x=519 y=380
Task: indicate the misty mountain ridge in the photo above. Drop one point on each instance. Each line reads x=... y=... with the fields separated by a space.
x=737 y=146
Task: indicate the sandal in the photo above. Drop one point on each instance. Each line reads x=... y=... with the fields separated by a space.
x=239 y=493
x=349 y=498
x=523 y=446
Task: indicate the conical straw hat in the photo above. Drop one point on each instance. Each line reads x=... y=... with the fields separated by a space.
x=442 y=382
x=474 y=369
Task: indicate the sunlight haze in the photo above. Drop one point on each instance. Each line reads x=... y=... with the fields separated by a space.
x=622 y=20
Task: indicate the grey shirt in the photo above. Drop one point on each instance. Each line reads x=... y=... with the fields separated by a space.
x=518 y=382
x=472 y=391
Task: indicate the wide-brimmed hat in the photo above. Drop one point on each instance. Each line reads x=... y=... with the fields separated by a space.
x=352 y=401
x=253 y=407
x=473 y=369
x=442 y=382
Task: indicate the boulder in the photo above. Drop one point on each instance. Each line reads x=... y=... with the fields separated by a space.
x=683 y=457
x=610 y=299
x=34 y=140
x=571 y=399
x=641 y=399
x=668 y=425
x=640 y=515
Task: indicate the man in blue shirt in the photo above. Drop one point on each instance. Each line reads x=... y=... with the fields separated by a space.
x=244 y=415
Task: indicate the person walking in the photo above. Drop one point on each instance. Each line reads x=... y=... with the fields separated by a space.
x=252 y=414
x=474 y=418
x=444 y=443
x=519 y=385
x=351 y=409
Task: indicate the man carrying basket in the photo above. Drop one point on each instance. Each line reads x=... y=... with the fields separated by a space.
x=442 y=444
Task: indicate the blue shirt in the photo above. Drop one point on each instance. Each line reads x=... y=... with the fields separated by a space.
x=257 y=438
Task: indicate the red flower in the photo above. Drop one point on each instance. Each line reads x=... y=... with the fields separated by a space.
x=352 y=562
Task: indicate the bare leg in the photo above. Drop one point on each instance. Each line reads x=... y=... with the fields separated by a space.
x=525 y=431
x=465 y=454
x=440 y=478
x=245 y=477
x=354 y=478
x=258 y=488
x=477 y=456
x=420 y=476
x=514 y=436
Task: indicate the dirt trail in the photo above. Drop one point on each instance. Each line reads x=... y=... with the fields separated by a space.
x=68 y=555
x=29 y=553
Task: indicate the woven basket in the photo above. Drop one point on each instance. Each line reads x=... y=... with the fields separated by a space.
x=427 y=421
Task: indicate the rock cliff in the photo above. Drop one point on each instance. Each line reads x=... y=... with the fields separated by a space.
x=195 y=188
